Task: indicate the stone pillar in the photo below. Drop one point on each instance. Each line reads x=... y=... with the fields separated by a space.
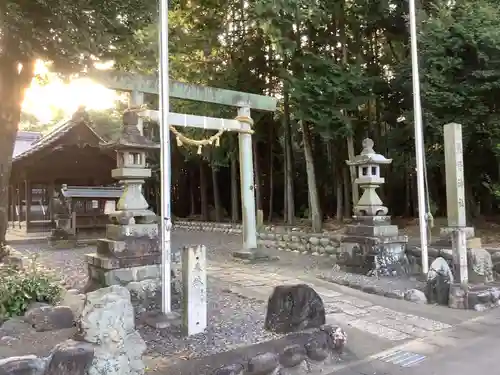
x=455 y=200
x=130 y=254
x=247 y=184
x=249 y=219
x=194 y=283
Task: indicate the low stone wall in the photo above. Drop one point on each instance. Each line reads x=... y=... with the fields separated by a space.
x=296 y=239
x=325 y=244
x=205 y=226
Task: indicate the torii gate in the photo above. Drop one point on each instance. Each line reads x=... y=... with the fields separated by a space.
x=138 y=85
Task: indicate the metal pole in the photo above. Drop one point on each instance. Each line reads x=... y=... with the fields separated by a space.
x=419 y=143
x=165 y=167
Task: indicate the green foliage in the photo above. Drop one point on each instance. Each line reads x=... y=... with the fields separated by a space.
x=19 y=288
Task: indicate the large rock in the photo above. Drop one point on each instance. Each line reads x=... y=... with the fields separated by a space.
x=14 y=327
x=50 y=318
x=26 y=365
x=70 y=357
x=416 y=296
x=75 y=301
x=108 y=321
x=439 y=279
x=480 y=266
x=293 y=308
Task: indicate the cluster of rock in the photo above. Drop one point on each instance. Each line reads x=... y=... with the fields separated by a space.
x=321 y=350
x=480 y=294
x=296 y=309
x=106 y=341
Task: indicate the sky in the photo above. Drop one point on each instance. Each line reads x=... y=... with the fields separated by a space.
x=40 y=100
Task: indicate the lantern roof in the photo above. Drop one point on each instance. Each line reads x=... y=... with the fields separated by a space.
x=368 y=155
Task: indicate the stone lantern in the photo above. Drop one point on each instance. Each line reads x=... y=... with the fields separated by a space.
x=131 y=148
x=131 y=250
x=371 y=243
x=368 y=165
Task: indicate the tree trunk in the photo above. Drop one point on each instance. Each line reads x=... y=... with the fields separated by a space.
x=289 y=183
x=203 y=192
x=256 y=169
x=340 y=199
x=271 y=177
x=217 y=204
x=352 y=170
x=347 y=201
x=314 y=205
x=13 y=82
x=234 y=185
x=192 y=191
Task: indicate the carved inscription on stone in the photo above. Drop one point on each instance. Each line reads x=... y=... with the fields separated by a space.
x=194 y=279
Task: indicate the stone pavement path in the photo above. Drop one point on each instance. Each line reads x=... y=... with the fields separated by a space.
x=345 y=309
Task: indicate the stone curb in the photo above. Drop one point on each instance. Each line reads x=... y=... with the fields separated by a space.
x=369 y=289
x=317 y=351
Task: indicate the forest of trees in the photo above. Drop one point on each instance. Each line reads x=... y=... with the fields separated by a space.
x=342 y=72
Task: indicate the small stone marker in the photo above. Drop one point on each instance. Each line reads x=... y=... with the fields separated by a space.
x=455 y=197
x=194 y=282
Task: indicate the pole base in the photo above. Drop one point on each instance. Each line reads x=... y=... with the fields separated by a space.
x=159 y=320
x=254 y=256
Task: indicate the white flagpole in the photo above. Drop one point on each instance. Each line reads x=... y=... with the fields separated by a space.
x=419 y=143
x=165 y=166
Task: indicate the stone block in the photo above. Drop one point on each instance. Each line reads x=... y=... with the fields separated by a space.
x=293 y=355
x=25 y=365
x=372 y=231
x=123 y=276
x=122 y=232
x=234 y=369
x=49 y=318
x=130 y=247
x=263 y=364
x=109 y=263
x=71 y=357
x=317 y=347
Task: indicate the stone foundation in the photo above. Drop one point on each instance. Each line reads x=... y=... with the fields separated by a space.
x=478 y=297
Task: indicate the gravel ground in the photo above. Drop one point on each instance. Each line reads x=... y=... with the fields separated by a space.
x=232 y=321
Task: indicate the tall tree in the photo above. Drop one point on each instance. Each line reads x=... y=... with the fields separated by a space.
x=69 y=34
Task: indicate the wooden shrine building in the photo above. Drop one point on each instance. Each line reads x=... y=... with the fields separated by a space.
x=67 y=155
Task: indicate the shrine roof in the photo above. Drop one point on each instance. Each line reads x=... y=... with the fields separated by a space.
x=92 y=191
x=24 y=141
x=56 y=133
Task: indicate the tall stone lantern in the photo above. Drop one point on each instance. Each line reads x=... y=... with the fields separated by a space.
x=368 y=164
x=371 y=243
x=131 y=250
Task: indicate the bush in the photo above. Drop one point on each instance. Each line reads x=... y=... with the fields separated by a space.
x=19 y=288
